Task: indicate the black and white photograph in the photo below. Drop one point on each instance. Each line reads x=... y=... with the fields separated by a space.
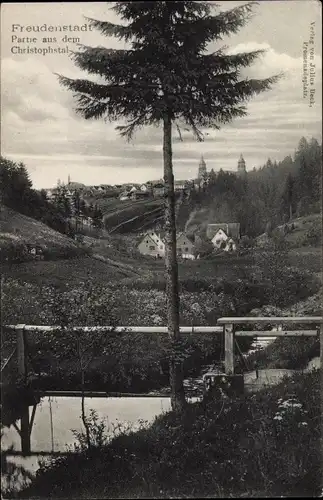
x=161 y=307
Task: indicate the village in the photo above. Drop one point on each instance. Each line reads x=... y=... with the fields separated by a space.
x=223 y=237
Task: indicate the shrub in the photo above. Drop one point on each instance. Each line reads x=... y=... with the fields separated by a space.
x=210 y=450
x=313 y=235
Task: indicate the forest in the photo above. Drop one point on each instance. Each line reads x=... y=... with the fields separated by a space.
x=16 y=192
x=261 y=200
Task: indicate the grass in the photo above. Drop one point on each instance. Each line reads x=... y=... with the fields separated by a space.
x=266 y=445
x=19 y=230
x=64 y=273
x=307 y=258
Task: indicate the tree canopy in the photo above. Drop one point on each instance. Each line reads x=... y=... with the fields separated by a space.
x=166 y=69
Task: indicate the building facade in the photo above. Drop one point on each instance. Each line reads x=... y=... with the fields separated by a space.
x=185 y=247
x=152 y=244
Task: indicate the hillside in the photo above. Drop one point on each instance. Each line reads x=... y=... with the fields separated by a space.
x=17 y=230
x=302 y=226
x=128 y=216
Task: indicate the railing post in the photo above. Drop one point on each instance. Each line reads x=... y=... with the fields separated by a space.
x=21 y=352
x=229 y=349
x=22 y=371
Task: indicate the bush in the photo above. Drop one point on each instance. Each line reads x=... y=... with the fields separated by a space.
x=313 y=235
x=211 y=450
x=13 y=251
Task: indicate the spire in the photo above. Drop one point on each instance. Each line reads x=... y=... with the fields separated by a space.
x=69 y=179
x=202 y=168
x=241 y=165
x=202 y=162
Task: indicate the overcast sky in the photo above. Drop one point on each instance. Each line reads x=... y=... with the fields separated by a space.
x=40 y=127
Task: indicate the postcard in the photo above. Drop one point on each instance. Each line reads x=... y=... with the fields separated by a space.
x=161 y=249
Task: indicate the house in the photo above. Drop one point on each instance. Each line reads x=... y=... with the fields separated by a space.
x=180 y=185
x=35 y=250
x=139 y=195
x=144 y=188
x=231 y=229
x=231 y=245
x=158 y=189
x=220 y=239
x=185 y=247
x=224 y=236
x=125 y=195
x=152 y=244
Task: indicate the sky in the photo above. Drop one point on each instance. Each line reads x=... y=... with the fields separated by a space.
x=41 y=129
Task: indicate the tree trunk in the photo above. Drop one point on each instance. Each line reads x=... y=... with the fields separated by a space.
x=171 y=269
x=321 y=394
x=83 y=416
x=84 y=419
x=290 y=212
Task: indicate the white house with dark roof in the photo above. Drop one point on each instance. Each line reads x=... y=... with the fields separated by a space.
x=152 y=244
x=224 y=235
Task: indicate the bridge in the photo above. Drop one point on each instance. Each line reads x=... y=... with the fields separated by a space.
x=228 y=327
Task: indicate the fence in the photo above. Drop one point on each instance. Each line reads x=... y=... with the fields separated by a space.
x=227 y=327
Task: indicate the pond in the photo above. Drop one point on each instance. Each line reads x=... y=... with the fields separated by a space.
x=62 y=414
x=56 y=417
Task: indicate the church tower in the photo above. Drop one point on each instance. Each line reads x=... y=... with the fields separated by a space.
x=241 y=166
x=202 y=169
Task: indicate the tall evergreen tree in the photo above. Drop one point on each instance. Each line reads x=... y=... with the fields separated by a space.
x=288 y=197
x=167 y=77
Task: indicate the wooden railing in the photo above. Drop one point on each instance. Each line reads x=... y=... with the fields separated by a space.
x=226 y=326
x=230 y=332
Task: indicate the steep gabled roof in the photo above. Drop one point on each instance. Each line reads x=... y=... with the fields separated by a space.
x=230 y=228
x=189 y=238
x=212 y=229
x=145 y=237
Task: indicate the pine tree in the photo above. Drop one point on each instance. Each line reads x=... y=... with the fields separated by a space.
x=167 y=77
x=288 y=196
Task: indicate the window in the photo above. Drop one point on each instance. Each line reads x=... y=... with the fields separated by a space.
x=147 y=241
x=186 y=249
x=151 y=247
